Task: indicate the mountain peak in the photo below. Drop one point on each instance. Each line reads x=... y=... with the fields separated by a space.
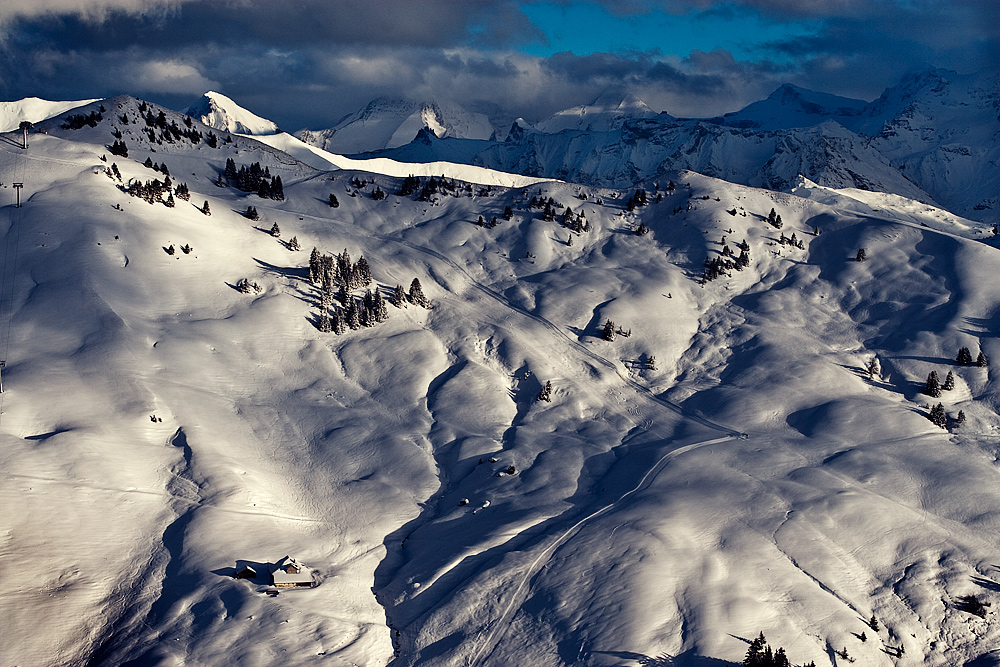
x=218 y=111
x=606 y=113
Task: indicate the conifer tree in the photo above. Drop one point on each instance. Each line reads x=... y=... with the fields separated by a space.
x=933 y=386
x=964 y=357
x=379 y=310
x=861 y=256
x=938 y=416
x=416 y=295
x=293 y=244
x=205 y=208
x=507 y=213
x=361 y=273
x=546 y=393
x=608 y=332
x=351 y=314
x=398 y=297
x=960 y=419
x=170 y=203
x=337 y=323
x=949 y=382
x=324 y=324
x=275 y=230
x=874 y=368
x=314 y=265
x=333 y=201
x=981 y=361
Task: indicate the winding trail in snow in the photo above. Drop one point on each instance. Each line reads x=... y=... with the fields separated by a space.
x=516 y=598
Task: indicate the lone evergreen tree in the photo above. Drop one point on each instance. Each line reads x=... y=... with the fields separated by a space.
x=275 y=230
x=981 y=361
x=933 y=386
x=205 y=208
x=293 y=244
x=964 y=357
x=861 y=256
x=546 y=393
x=873 y=623
x=949 y=382
x=960 y=419
x=416 y=295
x=608 y=332
x=333 y=201
x=874 y=368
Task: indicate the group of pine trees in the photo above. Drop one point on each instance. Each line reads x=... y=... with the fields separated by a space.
x=78 y=120
x=640 y=198
x=774 y=219
x=159 y=131
x=155 y=166
x=933 y=388
x=252 y=179
x=793 y=241
x=341 y=274
x=437 y=186
x=760 y=654
x=118 y=148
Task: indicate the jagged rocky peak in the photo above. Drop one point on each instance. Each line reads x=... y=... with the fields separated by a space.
x=220 y=112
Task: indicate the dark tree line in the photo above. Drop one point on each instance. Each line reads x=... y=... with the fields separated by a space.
x=78 y=120
x=252 y=179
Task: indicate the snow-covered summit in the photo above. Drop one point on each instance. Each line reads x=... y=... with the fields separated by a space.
x=218 y=111
x=607 y=112
x=791 y=106
x=33 y=110
x=390 y=123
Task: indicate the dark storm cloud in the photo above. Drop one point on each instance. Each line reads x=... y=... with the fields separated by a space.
x=309 y=62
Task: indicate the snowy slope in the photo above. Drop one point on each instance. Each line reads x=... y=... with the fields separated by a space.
x=638 y=527
x=33 y=110
x=387 y=123
x=220 y=112
x=321 y=159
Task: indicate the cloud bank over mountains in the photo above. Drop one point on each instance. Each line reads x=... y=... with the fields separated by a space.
x=306 y=64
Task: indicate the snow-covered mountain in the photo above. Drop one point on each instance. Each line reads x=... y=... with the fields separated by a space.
x=607 y=112
x=791 y=106
x=498 y=476
x=389 y=123
x=33 y=110
x=218 y=111
x=934 y=137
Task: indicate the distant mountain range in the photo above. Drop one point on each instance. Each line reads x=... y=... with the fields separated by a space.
x=934 y=137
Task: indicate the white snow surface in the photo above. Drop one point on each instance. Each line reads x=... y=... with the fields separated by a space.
x=33 y=110
x=324 y=160
x=605 y=113
x=638 y=527
x=388 y=123
x=218 y=111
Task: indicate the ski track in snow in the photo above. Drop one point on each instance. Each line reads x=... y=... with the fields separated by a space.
x=503 y=622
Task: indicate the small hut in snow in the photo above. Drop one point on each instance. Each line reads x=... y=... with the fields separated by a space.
x=289 y=572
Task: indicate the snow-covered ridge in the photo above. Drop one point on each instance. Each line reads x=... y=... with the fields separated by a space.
x=325 y=160
x=220 y=112
x=33 y=110
x=387 y=123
